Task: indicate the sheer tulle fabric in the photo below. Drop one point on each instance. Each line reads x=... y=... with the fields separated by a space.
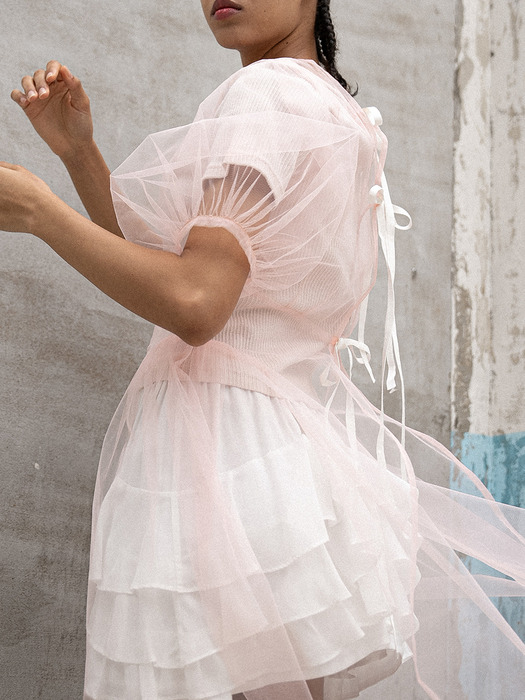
x=247 y=536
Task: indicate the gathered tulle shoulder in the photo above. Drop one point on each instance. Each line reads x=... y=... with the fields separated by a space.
x=278 y=157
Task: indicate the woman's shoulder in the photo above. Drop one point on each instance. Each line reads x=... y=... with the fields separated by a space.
x=298 y=86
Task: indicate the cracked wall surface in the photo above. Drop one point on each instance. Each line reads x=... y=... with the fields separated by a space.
x=488 y=370
x=488 y=245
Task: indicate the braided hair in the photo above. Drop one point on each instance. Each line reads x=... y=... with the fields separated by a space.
x=326 y=40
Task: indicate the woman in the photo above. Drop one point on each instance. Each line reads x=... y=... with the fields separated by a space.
x=256 y=528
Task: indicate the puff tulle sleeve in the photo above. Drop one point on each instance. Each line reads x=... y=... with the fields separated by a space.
x=266 y=159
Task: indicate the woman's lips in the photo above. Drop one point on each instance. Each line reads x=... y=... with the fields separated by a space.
x=225 y=12
x=222 y=9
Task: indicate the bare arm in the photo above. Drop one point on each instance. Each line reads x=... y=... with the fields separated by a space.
x=58 y=108
x=90 y=175
x=192 y=295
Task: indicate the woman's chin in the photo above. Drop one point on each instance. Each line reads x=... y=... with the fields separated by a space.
x=232 y=38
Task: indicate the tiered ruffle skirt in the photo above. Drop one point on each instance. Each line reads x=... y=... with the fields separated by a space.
x=237 y=543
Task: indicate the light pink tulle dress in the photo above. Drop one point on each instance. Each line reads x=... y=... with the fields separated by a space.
x=256 y=522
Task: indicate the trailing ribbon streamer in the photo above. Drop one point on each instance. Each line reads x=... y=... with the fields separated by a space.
x=387 y=224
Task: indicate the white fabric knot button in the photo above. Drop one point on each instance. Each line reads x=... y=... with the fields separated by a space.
x=374 y=116
x=376 y=195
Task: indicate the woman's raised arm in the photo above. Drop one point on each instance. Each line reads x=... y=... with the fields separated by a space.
x=192 y=295
x=57 y=106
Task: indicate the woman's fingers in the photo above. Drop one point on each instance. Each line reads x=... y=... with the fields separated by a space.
x=29 y=87
x=37 y=86
x=42 y=88
x=79 y=99
x=55 y=81
x=52 y=71
x=69 y=79
x=20 y=98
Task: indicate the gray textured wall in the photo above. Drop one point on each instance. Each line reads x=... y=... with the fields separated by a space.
x=403 y=57
x=67 y=353
x=489 y=277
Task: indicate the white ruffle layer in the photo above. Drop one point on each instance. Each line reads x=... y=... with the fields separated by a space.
x=336 y=564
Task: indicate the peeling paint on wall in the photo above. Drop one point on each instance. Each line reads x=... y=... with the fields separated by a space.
x=488 y=367
x=499 y=461
x=471 y=249
x=462 y=373
x=488 y=370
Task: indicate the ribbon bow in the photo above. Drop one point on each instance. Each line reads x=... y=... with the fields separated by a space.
x=386 y=212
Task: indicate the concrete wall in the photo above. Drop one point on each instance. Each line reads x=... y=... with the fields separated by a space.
x=488 y=272
x=402 y=55
x=67 y=352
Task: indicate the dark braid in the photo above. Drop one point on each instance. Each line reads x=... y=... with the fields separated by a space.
x=327 y=42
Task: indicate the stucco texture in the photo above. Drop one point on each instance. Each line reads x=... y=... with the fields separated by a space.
x=67 y=352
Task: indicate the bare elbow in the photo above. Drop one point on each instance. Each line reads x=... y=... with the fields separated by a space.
x=197 y=337
x=200 y=322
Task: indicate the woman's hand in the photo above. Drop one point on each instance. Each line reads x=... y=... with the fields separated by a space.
x=21 y=197
x=58 y=108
